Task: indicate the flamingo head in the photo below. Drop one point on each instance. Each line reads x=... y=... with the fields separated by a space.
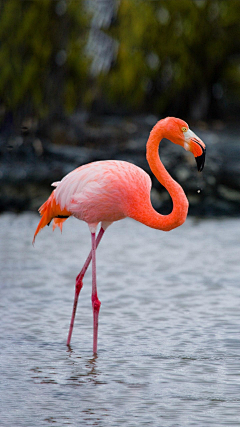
x=178 y=132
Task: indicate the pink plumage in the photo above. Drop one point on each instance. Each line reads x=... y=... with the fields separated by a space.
x=107 y=191
x=102 y=191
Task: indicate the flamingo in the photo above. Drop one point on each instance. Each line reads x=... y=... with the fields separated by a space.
x=108 y=191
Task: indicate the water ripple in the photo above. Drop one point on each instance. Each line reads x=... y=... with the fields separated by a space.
x=169 y=347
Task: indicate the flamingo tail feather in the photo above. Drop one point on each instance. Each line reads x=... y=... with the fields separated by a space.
x=46 y=215
x=58 y=222
x=48 y=211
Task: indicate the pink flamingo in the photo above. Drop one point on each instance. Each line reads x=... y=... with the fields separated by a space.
x=107 y=191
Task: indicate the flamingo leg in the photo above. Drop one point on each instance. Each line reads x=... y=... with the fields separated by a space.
x=95 y=301
x=79 y=284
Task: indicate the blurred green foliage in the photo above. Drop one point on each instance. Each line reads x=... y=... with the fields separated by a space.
x=178 y=57
x=42 y=63
x=175 y=55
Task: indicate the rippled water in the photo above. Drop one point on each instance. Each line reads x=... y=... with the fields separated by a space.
x=169 y=332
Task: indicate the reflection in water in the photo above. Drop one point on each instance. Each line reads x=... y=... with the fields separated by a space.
x=168 y=328
x=79 y=375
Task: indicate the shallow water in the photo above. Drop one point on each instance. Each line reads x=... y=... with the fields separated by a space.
x=169 y=326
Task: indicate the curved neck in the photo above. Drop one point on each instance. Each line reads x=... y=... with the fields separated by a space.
x=180 y=203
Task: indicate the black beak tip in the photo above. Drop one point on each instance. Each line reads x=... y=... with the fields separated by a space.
x=200 y=161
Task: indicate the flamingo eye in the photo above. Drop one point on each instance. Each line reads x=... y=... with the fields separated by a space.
x=184 y=129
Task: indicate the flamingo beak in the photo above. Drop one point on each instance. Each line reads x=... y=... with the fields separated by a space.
x=197 y=147
x=201 y=160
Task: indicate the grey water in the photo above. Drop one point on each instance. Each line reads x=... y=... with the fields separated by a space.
x=169 y=325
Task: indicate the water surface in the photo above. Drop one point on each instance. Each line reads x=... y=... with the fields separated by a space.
x=169 y=332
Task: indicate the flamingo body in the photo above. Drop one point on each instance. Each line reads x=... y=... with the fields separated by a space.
x=108 y=191
x=102 y=191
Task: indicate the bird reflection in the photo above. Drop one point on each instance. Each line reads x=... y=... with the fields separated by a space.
x=87 y=372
